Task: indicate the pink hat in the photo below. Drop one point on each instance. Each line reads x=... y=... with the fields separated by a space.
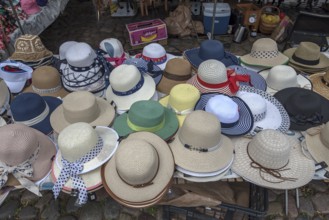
x=30 y=7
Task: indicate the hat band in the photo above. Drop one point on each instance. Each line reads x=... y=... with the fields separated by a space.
x=264 y=54
x=141 y=128
x=176 y=77
x=315 y=119
x=46 y=91
x=37 y=119
x=182 y=112
x=117 y=60
x=132 y=90
x=157 y=60
x=229 y=125
x=200 y=149
x=83 y=69
x=305 y=62
x=259 y=117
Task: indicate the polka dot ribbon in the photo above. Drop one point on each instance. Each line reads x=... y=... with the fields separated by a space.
x=72 y=170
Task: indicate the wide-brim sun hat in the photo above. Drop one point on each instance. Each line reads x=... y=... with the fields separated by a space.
x=4 y=96
x=320 y=83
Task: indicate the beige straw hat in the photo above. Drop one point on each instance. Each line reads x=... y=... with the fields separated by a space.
x=320 y=83
x=82 y=106
x=4 y=96
x=199 y=145
x=141 y=169
x=273 y=160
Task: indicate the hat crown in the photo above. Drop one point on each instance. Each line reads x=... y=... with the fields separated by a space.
x=29 y=44
x=46 y=77
x=281 y=77
x=183 y=97
x=137 y=162
x=64 y=47
x=304 y=102
x=80 y=55
x=264 y=48
x=256 y=103
x=154 y=50
x=270 y=148
x=179 y=67
x=125 y=77
x=212 y=71
x=211 y=49
x=225 y=109
x=308 y=51
x=76 y=140
x=112 y=46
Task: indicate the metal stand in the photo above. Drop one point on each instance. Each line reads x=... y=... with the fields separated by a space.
x=213 y=20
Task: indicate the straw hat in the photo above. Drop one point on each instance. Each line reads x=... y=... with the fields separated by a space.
x=265 y=53
x=82 y=106
x=306 y=108
x=181 y=100
x=128 y=85
x=320 y=83
x=141 y=169
x=147 y=115
x=198 y=146
x=114 y=52
x=272 y=160
x=233 y=113
x=46 y=81
x=4 y=97
x=283 y=76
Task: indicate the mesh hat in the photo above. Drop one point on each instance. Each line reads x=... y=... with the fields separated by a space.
x=320 y=83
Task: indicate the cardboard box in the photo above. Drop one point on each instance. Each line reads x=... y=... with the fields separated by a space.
x=147 y=31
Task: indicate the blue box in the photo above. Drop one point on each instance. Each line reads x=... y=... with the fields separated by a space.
x=222 y=17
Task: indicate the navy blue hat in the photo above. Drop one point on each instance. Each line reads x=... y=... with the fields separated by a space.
x=210 y=49
x=34 y=110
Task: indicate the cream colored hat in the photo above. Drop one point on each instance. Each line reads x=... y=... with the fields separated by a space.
x=273 y=160
x=320 y=83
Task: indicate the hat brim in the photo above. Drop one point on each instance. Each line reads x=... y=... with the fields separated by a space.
x=243 y=125
x=105 y=118
x=28 y=58
x=60 y=93
x=323 y=61
x=268 y=62
x=163 y=177
x=5 y=94
x=308 y=70
x=299 y=167
x=15 y=87
x=319 y=86
x=164 y=102
x=169 y=128
x=110 y=144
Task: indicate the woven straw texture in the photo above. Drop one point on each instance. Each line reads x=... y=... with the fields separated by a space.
x=319 y=86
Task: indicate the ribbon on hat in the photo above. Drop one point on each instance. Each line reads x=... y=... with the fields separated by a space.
x=149 y=129
x=183 y=112
x=305 y=62
x=132 y=90
x=47 y=91
x=314 y=119
x=117 y=60
x=21 y=172
x=73 y=169
x=157 y=60
x=36 y=120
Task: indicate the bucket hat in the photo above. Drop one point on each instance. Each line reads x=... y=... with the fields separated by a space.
x=181 y=100
x=213 y=76
x=177 y=71
x=233 y=113
x=81 y=150
x=320 y=83
x=306 y=108
x=147 y=115
x=283 y=76
x=199 y=145
x=128 y=85
x=82 y=106
x=141 y=169
x=210 y=49
x=26 y=153
x=46 y=81
x=34 y=110
x=156 y=53
x=265 y=53
x=5 y=97
x=273 y=160
x=268 y=112
x=30 y=7
x=114 y=52
x=64 y=47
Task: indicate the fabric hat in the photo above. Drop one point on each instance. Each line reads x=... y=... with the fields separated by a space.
x=64 y=47
x=265 y=53
x=30 y=7
x=308 y=55
x=46 y=81
x=82 y=106
x=210 y=49
x=283 y=76
x=81 y=150
x=156 y=53
x=213 y=76
x=233 y=113
x=4 y=97
x=128 y=85
x=34 y=110
x=268 y=112
x=272 y=160
x=181 y=100
x=29 y=48
x=147 y=115
x=199 y=145
x=15 y=74
x=177 y=71
x=306 y=108
x=114 y=51
x=141 y=169
x=27 y=150
x=320 y=83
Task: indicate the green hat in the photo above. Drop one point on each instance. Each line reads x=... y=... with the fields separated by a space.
x=147 y=115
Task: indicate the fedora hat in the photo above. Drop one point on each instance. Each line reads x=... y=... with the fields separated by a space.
x=147 y=115
x=267 y=111
x=5 y=97
x=273 y=160
x=307 y=55
x=233 y=113
x=265 y=53
x=82 y=106
x=210 y=49
x=283 y=76
x=320 y=83
x=199 y=145
x=114 y=52
x=46 y=81
x=81 y=150
x=26 y=153
x=306 y=108
x=181 y=100
x=212 y=76
x=141 y=169
x=34 y=110
x=128 y=85
x=64 y=47
x=177 y=71
x=156 y=53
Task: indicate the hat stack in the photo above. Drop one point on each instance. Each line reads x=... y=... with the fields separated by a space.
x=5 y=98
